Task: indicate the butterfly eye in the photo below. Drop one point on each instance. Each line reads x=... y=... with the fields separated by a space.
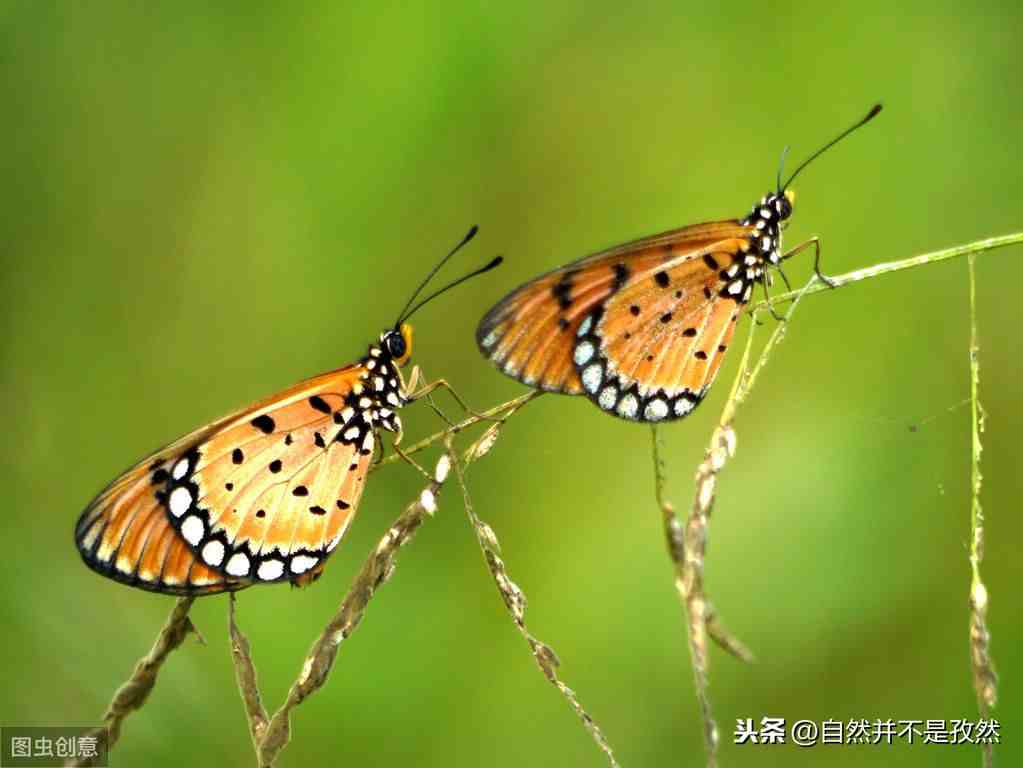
x=786 y=203
x=396 y=346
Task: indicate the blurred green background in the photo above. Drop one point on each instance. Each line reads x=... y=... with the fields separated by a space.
x=204 y=205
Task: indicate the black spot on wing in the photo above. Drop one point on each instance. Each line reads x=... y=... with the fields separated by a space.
x=621 y=275
x=317 y=510
x=300 y=490
x=319 y=404
x=275 y=466
x=711 y=262
x=264 y=424
x=562 y=290
x=237 y=457
x=662 y=279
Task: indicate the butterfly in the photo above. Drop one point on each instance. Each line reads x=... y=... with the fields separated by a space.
x=641 y=329
x=264 y=494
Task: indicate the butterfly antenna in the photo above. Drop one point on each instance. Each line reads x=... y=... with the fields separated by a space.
x=781 y=166
x=469 y=236
x=874 y=111
x=485 y=268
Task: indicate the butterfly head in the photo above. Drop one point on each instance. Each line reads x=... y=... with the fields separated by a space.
x=788 y=202
x=397 y=344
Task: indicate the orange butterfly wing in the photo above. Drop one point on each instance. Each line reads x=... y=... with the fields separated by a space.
x=264 y=494
x=640 y=328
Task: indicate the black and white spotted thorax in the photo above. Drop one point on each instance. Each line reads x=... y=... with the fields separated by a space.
x=374 y=399
x=382 y=389
x=761 y=250
x=766 y=218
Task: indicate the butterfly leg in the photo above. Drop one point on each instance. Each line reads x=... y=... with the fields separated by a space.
x=414 y=393
x=410 y=461
x=428 y=389
x=767 y=299
x=404 y=456
x=781 y=272
x=816 y=243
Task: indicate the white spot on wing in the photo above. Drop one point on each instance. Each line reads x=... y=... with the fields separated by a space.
x=238 y=565
x=607 y=398
x=655 y=410
x=302 y=563
x=213 y=552
x=735 y=287
x=683 y=406
x=628 y=406
x=583 y=352
x=192 y=530
x=180 y=500
x=584 y=327
x=490 y=339
x=180 y=469
x=270 y=570
x=591 y=377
